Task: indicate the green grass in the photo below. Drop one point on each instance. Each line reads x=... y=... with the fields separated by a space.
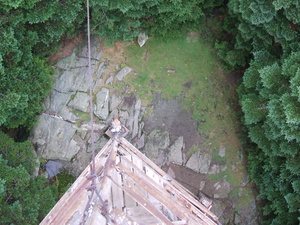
x=192 y=62
x=245 y=199
x=63 y=181
x=209 y=98
x=199 y=82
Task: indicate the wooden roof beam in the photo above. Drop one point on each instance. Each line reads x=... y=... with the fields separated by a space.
x=185 y=194
x=163 y=197
x=144 y=202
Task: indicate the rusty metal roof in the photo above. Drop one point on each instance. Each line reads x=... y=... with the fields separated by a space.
x=127 y=188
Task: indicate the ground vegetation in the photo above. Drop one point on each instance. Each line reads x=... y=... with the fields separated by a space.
x=265 y=42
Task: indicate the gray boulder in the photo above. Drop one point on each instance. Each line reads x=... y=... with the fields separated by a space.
x=102 y=98
x=56 y=104
x=199 y=162
x=54 y=138
x=123 y=72
x=80 y=102
x=136 y=113
x=53 y=168
x=222 y=189
x=142 y=38
x=114 y=102
x=156 y=143
x=175 y=155
x=222 y=151
x=214 y=169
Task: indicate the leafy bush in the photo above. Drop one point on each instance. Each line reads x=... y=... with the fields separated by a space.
x=23 y=199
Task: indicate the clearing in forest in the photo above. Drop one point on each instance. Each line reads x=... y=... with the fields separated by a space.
x=185 y=68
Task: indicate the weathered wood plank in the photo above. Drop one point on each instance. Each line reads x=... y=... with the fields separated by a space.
x=141 y=215
x=117 y=193
x=132 y=180
x=144 y=202
x=170 y=191
x=127 y=146
x=129 y=202
x=162 y=196
x=121 y=217
x=75 y=199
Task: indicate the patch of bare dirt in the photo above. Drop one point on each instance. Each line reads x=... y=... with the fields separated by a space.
x=114 y=55
x=65 y=49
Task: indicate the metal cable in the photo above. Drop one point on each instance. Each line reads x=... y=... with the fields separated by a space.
x=92 y=175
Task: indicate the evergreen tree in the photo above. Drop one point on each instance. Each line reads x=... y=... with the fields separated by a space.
x=270 y=102
x=118 y=19
x=23 y=199
x=28 y=31
x=268 y=31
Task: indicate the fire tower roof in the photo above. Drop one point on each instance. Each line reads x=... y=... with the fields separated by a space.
x=127 y=188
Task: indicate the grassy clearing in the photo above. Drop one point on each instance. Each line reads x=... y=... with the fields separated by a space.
x=195 y=76
x=187 y=68
x=165 y=66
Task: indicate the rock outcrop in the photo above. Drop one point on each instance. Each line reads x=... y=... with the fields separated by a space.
x=62 y=132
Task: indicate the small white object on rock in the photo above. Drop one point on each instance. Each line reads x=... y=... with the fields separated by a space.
x=116 y=126
x=170 y=71
x=142 y=38
x=222 y=151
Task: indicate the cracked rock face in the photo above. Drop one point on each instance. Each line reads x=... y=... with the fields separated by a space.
x=80 y=102
x=101 y=109
x=62 y=131
x=53 y=138
x=59 y=133
x=199 y=162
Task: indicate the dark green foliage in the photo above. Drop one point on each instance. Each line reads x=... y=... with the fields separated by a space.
x=24 y=200
x=22 y=88
x=17 y=154
x=261 y=25
x=63 y=181
x=118 y=19
x=270 y=99
x=29 y=30
x=233 y=58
